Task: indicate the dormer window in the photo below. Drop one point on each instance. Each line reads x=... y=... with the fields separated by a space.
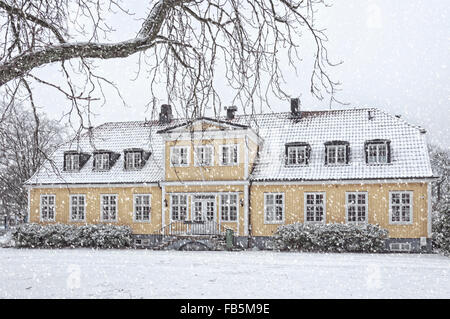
x=74 y=160
x=337 y=153
x=101 y=161
x=297 y=153
x=378 y=151
x=133 y=160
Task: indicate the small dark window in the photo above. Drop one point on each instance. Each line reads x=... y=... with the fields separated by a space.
x=337 y=152
x=377 y=151
x=297 y=153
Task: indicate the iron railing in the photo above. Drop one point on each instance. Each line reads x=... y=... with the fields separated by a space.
x=193 y=228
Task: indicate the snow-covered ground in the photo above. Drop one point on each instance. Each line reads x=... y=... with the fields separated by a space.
x=85 y=273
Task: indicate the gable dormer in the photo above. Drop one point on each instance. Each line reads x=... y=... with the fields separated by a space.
x=209 y=149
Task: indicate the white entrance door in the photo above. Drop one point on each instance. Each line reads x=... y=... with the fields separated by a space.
x=203 y=214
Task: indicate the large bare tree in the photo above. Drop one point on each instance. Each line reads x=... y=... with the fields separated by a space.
x=25 y=143
x=182 y=42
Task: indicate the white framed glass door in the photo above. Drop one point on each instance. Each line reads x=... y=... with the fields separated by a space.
x=203 y=214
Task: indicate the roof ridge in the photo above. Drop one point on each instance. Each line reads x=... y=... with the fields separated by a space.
x=241 y=115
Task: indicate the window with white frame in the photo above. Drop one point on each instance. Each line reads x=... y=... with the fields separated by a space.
x=400 y=207
x=77 y=207
x=356 y=206
x=315 y=207
x=142 y=207
x=178 y=207
x=47 y=207
x=228 y=207
x=133 y=160
x=274 y=207
x=229 y=155
x=336 y=154
x=203 y=155
x=108 y=207
x=297 y=155
x=101 y=161
x=72 y=162
x=377 y=153
x=179 y=156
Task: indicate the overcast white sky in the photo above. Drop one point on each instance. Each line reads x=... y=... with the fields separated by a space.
x=396 y=57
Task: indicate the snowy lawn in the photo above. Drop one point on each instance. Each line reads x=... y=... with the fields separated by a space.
x=84 y=273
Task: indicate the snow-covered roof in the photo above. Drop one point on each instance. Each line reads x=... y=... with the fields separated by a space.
x=409 y=155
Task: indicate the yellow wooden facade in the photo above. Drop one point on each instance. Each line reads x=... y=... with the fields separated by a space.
x=218 y=179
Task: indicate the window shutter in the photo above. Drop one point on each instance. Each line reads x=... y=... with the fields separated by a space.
x=347 y=153
x=64 y=163
x=308 y=154
x=286 y=150
x=366 y=152
x=125 y=160
x=326 y=154
x=388 y=148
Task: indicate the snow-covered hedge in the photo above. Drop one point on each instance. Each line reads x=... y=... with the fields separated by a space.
x=331 y=237
x=441 y=229
x=60 y=235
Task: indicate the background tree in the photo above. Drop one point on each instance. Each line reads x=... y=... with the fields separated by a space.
x=181 y=42
x=440 y=164
x=24 y=145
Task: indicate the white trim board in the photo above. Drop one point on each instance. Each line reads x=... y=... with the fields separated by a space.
x=95 y=185
x=349 y=181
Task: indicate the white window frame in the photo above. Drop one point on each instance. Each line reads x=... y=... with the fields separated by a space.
x=411 y=208
x=296 y=150
x=336 y=148
x=179 y=164
x=178 y=205
x=377 y=153
x=130 y=158
x=366 y=207
x=274 y=205
x=70 y=162
x=228 y=204
x=103 y=159
x=229 y=148
x=109 y=205
x=78 y=207
x=324 y=204
x=135 y=196
x=41 y=207
x=198 y=149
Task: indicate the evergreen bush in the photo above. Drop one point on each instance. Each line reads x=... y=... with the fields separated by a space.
x=331 y=237
x=60 y=235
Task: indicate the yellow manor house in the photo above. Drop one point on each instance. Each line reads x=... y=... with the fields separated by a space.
x=193 y=180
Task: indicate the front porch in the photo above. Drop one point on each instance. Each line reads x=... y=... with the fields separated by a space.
x=189 y=235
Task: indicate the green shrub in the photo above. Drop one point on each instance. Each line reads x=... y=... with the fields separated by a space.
x=331 y=237
x=61 y=235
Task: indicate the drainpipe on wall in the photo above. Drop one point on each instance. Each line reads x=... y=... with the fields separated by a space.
x=249 y=230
